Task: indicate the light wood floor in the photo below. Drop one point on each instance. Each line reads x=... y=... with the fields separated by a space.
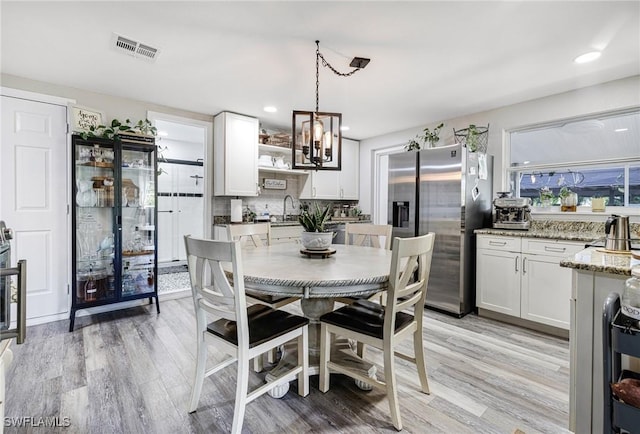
x=130 y=371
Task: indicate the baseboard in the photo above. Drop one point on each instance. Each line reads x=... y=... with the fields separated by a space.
x=544 y=328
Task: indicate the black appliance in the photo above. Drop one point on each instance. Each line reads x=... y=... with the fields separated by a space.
x=6 y=274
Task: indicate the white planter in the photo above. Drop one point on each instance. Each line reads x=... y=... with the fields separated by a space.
x=317 y=240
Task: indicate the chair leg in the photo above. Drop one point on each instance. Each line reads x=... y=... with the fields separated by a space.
x=272 y=355
x=325 y=356
x=421 y=363
x=360 y=350
x=257 y=363
x=241 y=393
x=392 y=391
x=303 y=359
x=201 y=362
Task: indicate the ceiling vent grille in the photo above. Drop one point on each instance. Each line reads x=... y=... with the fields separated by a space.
x=134 y=48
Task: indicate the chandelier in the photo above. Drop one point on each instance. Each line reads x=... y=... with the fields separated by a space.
x=317 y=138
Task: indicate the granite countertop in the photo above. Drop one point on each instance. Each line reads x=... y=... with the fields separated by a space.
x=597 y=259
x=557 y=230
x=537 y=233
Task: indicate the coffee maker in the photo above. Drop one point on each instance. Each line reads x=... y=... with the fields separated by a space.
x=511 y=212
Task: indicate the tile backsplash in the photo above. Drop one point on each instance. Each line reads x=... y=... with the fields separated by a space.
x=273 y=199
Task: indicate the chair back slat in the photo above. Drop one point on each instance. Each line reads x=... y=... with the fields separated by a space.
x=370 y=235
x=210 y=286
x=410 y=269
x=250 y=235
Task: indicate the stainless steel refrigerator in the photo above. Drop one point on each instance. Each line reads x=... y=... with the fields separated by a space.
x=445 y=190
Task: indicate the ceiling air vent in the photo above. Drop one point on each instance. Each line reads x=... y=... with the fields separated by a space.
x=134 y=48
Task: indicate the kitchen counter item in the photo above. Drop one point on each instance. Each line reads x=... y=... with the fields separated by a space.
x=617 y=233
x=511 y=213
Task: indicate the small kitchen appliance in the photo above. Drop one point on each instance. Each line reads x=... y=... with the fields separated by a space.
x=617 y=233
x=511 y=212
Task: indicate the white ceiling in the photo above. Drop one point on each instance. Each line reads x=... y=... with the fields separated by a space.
x=430 y=61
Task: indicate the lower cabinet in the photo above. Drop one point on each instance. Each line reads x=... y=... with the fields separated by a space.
x=279 y=234
x=286 y=234
x=522 y=277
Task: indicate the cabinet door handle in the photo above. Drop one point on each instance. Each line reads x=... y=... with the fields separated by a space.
x=497 y=243
x=313 y=192
x=517 y=259
x=341 y=192
x=524 y=265
x=555 y=249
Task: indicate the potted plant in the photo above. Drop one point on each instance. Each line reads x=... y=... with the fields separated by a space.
x=143 y=127
x=546 y=196
x=568 y=199
x=315 y=236
x=429 y=139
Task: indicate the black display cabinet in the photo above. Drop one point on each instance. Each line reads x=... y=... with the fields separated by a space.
x=114 y=254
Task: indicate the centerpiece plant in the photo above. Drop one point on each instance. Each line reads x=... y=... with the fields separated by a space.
x=315 y=220
x=316 y=236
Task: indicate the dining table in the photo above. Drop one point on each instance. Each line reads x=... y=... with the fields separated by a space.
x=318 y=278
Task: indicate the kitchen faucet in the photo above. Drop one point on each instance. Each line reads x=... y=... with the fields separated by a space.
x=284 y=207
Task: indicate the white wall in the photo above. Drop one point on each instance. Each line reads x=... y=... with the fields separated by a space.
x=609 y=96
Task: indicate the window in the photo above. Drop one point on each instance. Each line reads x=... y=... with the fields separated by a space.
x=593 y=157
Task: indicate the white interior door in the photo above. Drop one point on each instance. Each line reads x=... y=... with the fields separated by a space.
x=180 y=208
x=33 y=198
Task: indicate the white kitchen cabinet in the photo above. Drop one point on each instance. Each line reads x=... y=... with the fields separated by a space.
x=235 y=150
x=498 y=274
x=523 y=278
x=350 y=173
x=546 y=287
x=336 y=185
x=286 y=234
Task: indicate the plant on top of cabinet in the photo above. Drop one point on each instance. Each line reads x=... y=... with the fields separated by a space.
x=473 y=137
x=144 y=127
x=429 y=139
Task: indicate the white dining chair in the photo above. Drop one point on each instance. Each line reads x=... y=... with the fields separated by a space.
x=251 y=236
x=368 y=235
x=384 y=327
x=241 y=332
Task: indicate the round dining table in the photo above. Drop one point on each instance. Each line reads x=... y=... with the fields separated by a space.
x=318 y=279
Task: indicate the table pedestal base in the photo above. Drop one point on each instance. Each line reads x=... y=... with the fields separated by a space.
x=314 y=308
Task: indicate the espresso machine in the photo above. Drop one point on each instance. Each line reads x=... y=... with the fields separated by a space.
x=511 y=212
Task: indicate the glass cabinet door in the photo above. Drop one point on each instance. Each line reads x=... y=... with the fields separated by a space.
x=138 y=212
x=93 y=178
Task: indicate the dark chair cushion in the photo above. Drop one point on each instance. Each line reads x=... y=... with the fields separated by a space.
x=264 y=324
x=265 y=298
x=364 y=317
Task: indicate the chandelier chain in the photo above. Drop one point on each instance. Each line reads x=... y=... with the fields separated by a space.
x=328 y=65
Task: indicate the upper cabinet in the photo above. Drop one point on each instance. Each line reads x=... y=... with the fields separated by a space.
x=336 y=185
x=235 y=153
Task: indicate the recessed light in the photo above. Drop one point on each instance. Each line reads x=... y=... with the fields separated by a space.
x=163 y=133
x=621 y=130
x=587 y=57
x=344 y=128
x=270 y=109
